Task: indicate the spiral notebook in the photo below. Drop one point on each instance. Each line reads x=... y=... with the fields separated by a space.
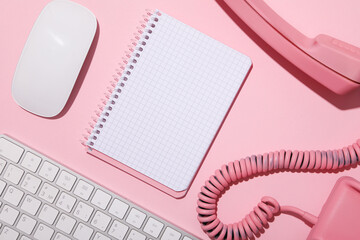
x=168 y=104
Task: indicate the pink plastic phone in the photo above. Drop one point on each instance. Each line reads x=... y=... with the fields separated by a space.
x=339 y=218
x=332 y=62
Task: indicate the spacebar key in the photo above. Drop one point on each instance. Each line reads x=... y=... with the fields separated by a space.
x=10 y=150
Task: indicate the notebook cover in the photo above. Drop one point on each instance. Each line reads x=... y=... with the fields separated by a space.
x=144 y=178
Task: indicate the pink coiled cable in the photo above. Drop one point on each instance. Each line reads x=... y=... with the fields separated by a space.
x=253 y=224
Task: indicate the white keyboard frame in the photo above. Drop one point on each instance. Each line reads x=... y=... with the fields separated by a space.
x=184 y=235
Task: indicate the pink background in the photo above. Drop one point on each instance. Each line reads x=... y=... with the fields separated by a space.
x=278 y=106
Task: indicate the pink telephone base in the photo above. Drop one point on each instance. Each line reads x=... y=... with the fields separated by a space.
x=339 y=217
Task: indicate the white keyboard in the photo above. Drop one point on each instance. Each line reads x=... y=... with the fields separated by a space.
x=41 y=199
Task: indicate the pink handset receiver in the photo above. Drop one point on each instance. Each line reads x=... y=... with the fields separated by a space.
x=332 y=62
x=337 y=220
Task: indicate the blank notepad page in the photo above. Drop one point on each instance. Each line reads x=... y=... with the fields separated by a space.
x=170 y=102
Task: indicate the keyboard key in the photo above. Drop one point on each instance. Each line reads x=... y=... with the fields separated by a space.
x=83 y=211
x=100 y=221
x=187 y=238
x=2 y=186
x=13 y=195
x=26 y=224
x=31 y=162
x=65 y=223
x=66 y=202
x=48 y=214
x=8 y=234
x=83 y=232
x=2 y=165
x=48 y=193
x=170 y=234
x=118 y=208
x=118 y=230
x=59 y=236
x=24 y=238
x=13 y=174
x=136 y=218
x=10 y=150
x=66 y=180
x=153 y=227
x=9 y=215
x=31 y=183
x=43 y=232
x=83 y=190
x=30 y=205
x=99 y=236
x=101 y=199
x=135 y=235
x=48 y=171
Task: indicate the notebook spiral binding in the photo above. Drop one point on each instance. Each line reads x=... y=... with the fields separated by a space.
x=122 y=75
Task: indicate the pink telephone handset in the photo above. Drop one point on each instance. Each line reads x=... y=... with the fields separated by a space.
x=332 y=62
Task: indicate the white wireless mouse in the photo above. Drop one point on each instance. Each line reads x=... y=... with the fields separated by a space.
x=52 y=57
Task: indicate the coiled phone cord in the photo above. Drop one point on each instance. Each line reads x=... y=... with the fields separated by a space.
x=253 y=224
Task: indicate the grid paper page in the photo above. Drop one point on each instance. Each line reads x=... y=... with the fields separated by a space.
x=172 y=103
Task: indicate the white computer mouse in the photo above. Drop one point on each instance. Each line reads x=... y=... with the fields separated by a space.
x=52 y=57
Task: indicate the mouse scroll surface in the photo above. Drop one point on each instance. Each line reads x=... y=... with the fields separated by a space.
x=52 y=57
